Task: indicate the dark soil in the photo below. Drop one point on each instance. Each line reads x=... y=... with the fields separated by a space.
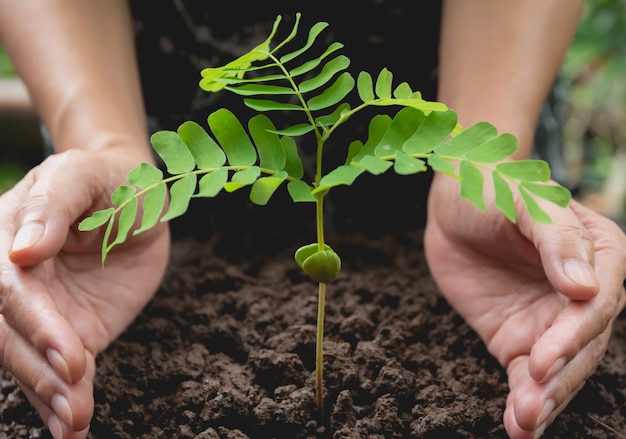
x=226 y=350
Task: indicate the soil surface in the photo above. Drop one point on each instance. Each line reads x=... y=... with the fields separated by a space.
x=226 y=350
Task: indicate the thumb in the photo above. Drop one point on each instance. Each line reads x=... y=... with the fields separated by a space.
x=45 y=205
x=567 y=252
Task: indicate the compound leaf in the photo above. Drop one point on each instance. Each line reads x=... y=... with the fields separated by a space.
x=180 y=194
x=173 y=151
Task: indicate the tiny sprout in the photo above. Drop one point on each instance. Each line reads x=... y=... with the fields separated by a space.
x=421 y=134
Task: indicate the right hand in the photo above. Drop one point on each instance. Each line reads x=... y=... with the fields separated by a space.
x=58 y=306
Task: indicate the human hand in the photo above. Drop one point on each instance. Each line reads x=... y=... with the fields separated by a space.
x=542 y=297
x=58 y=306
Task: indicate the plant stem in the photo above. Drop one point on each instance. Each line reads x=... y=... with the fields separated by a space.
x=319 y=350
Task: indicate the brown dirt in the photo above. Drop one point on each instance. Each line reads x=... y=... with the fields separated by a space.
x=226 y=348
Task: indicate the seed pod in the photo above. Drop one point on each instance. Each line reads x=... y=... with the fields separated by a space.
x=322 y=266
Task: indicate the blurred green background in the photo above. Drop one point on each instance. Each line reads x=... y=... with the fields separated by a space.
x=592 y=105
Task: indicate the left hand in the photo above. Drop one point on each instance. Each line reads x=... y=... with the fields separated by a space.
x=542 y=297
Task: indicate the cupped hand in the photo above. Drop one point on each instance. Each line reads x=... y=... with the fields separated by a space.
x=542 y=297
x=59 y=307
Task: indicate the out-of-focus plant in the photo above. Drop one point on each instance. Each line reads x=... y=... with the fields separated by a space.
x=595 y=131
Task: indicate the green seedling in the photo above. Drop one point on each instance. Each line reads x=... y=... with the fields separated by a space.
x=315 y=84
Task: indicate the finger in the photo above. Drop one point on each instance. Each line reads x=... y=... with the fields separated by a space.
x=532 y=405
x=51 y=197
x=72 y=404
x=581 y=322
x=29 y=311
x=566 y=249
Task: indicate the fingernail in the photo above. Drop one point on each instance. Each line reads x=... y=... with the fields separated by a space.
x=27 y=236
x=548 y=407
x=54 y=425
x=580 y=272
x=556 y=368
x=59 y=364
x=62 y=409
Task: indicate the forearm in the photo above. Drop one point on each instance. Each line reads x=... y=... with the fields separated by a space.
x=77 y=60
x=499 y=59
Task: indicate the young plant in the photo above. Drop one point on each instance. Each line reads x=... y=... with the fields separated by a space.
x=419 y=135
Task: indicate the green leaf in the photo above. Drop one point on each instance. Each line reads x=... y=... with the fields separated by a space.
x=373 y=164
x=303 y=253
x=377 y=128
x=504 y=197
x=144 y=175
x=472 y=184
x=212 y=183
x=300 y=192
x=263 y=189
x=354 y=149
x=407 y=165
x=152 y=206
x=329 y=70
x=403 y=91
x=529 y=170
x=312 y=64
x=495 y=150
x=268 y=105
x=105 y=239
x=440 y=165
x=173 y=151
x=242 y=178
x=295 y=130
x=313 y=34
x=554 y=193
x=271 y=153
x=365 y=87
x=402 y=128
x=233 y=138
x=205 y=151
x=122 y=194
x=333 y=94
x=125 y=221
x=437 y=126
x=293 y=162
x=383 y=84
x=467 y=140
x=180 y=194
x=96 y=219
x=536 y=212
x=334 y=117
x=261 y=89
x=343 y=175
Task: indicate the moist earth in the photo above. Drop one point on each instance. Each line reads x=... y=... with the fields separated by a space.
x=226 y=350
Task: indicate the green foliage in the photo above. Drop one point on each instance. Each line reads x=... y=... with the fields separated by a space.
x=260 y=156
